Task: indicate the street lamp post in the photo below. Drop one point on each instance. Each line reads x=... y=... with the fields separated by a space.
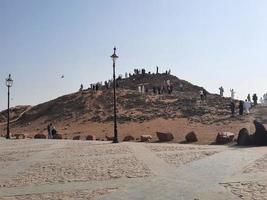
x=9 y=83
x=114 y=58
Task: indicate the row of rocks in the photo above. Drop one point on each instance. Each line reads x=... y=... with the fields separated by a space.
x=244 y=137
x=59 y=136
x=162 y=137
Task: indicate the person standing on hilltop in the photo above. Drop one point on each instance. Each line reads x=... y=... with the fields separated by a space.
x=81 y=88
x=255 y=99
x=201 y=93
x=221 y=91
x=248 y=98
x=232 y=94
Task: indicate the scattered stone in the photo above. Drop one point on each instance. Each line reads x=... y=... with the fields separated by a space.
x=57 y=136
x=19 y=136
x=224 y=137
x=77 y=137
x=109 y=138
x=40 y=136
x=145 y=138
x=260 y=136
x=164 y=137
x=244 y=138
x=128 y=138
x=90 y=137
x=191 y=137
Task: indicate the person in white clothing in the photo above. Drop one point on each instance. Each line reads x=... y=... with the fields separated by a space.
x=232 y=94
x=247 y=106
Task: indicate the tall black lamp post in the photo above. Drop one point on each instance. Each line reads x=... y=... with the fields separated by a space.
x=114 y=58
x=9 y=82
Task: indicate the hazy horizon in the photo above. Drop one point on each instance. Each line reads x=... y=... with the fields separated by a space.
x=208 y=43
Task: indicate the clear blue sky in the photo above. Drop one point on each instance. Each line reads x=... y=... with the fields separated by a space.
x=207 y=42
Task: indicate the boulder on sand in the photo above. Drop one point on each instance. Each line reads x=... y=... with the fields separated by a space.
x=244 y=138
x=57 y=136
x=77 y=137
x=90 y=137
x=164 y=137
x=145 y=138
x=260 y=136
x=40 y=136
x=191 y=137
x=128 y=138
x=224 y=137
x=19 y=136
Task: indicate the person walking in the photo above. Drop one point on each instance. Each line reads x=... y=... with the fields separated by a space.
x=232 y=107
x=201 y=93
x=53 y=131
x=241 y=107
x=247 y=106
x=255 y=99
x=205 y=95
x=49 y=131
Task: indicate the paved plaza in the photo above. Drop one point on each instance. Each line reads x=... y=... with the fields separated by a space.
x=64 y=169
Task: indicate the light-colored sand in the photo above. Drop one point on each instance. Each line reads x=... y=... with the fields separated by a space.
x=62 y=169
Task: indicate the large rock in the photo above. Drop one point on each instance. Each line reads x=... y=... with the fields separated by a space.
x=145 y=138
x=19 y=136
x=128 y=138
x=57 y=136
x=164 y=137
x=260 y=136
x=90 y=137
x=191 y=137
x=40 y=136
x=224 y=137
x=77 y=137
x=244 y=138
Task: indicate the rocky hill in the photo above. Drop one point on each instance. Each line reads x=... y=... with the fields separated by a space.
x=90 y=106
x=15 y=113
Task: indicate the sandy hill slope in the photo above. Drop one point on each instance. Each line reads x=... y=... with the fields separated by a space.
x=15 y=113
x=92 y=111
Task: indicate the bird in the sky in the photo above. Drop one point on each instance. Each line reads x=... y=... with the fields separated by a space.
x=62 y=76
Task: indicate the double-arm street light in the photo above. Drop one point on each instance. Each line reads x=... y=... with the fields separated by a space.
x=114 y=58
x=9 y=83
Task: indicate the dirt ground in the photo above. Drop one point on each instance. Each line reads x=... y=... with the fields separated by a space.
x=179 y=127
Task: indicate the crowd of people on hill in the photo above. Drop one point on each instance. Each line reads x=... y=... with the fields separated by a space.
x=166 y=87
x=243 y=106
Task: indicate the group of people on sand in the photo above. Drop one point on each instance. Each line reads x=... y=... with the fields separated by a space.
x=51 y=131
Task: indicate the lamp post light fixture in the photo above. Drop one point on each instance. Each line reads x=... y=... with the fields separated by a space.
x=114 y=57
x=9 y=83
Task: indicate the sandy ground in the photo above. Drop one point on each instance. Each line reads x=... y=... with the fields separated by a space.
x=179 y=127
x=65 y=169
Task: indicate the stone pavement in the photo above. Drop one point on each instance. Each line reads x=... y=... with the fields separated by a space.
x=63 y=169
